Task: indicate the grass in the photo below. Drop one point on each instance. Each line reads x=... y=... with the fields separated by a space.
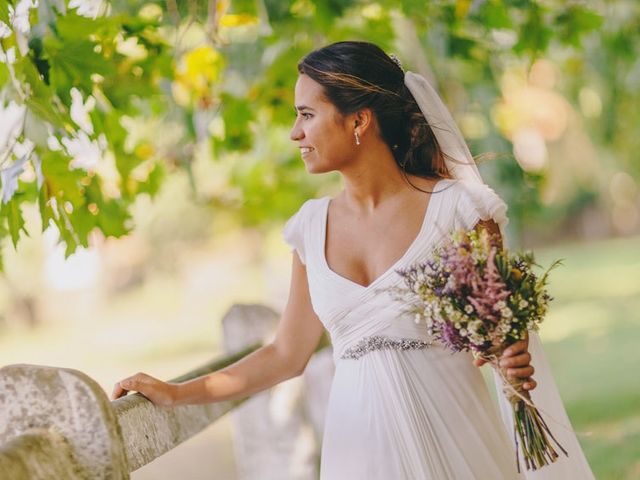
x=592 y=338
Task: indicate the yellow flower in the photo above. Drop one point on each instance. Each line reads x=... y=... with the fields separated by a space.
x=198 y=72
x=238 y=20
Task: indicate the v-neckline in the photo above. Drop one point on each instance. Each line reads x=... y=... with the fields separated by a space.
x=394 y=266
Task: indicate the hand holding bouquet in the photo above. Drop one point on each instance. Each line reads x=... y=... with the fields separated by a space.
x=473 y=295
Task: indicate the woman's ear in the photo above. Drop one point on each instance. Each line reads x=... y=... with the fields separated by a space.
x=363 y=120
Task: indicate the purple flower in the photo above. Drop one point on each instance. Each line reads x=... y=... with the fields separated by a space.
x=450 y=337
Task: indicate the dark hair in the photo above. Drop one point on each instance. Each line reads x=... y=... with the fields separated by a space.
x=358 y=75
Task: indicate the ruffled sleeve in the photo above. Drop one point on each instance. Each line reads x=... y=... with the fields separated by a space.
x=478 y=201
x=294 y=231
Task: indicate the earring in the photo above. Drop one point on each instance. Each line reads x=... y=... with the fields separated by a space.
x=357 y=138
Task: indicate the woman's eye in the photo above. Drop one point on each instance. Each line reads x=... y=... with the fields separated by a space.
x=306 y=115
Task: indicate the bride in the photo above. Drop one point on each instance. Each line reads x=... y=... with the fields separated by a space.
x=401 y=406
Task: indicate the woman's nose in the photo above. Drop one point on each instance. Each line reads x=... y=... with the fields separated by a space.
x=296 y=133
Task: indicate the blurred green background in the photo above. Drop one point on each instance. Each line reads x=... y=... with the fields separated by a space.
x=146 y=170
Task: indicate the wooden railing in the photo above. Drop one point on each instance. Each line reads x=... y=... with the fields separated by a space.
x=57 y=423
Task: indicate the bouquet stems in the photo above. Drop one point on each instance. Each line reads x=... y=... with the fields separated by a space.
x=531 y=434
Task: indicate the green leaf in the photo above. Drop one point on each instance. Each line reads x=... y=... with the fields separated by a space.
x=534 y=35
x=44 y=207
x=15 y=220
x=72 y=64
x=576 y=21
x=4 y=74
x=152 y=185
x=4 y=11
x=113 y=218
x=41 y=99
x=236 y=114
x=461 y=46
x=67 y=235
x=112 y=214
x=72 y=27
x=62 y=182
x=494 y=14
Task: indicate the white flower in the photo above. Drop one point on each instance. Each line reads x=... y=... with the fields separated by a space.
x=9 y=178
x=463 y=332
x=20 y=149
x=80 y=111
x=5 y=31
x=11 y=118
x=10 y=56
x=523 y=303
x=87 y=8
x=37 y=166
x=86 y=153
x=506 y=312
x=451 y=284
x=53 y=143
x=20 y=16
x=468 y=308
x=500 y=305
x=472 y=327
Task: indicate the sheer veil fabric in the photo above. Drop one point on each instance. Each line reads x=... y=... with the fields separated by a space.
x=402 y=407
x=546 y=395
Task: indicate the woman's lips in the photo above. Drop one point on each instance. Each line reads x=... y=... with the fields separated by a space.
x=305 y=150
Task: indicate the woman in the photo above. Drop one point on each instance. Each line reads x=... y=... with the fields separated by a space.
x=401 y=407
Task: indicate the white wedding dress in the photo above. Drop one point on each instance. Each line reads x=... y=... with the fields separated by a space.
x=399 y=408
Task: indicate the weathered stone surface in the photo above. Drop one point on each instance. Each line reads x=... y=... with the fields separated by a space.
x=39 y=454
x=68 y=403
x=149 y=431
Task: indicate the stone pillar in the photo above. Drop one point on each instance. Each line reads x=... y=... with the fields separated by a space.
x=276 y=431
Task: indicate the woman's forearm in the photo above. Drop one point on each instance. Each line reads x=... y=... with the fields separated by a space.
x=257 y=371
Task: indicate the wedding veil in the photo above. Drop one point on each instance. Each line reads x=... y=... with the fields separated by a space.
x=546 y=397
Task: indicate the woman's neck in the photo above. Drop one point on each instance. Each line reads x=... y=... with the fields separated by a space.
x=371 y=179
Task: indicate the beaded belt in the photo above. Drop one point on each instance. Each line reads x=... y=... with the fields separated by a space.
x=379 y=342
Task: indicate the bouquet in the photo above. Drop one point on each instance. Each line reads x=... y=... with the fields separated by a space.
x=473 y=295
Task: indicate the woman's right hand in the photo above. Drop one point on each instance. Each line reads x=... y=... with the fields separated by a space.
x=159 y=392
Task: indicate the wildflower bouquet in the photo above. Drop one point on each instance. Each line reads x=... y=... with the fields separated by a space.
x=473 y=295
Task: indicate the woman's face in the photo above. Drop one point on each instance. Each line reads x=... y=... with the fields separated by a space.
x=326 y=142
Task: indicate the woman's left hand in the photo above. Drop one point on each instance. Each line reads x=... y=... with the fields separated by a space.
x=516 y=359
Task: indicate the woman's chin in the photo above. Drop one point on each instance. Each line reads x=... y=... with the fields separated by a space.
x=313 y=167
